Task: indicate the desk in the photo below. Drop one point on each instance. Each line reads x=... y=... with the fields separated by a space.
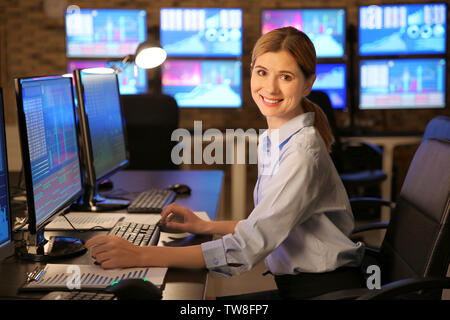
x=180 y=284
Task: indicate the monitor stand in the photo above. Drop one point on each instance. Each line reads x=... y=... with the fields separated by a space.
x=57 y=247
x=92 y=201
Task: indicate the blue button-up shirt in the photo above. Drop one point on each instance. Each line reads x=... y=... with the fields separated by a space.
x=302 y=217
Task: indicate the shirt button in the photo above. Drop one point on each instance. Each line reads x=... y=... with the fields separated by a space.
x=216 y=261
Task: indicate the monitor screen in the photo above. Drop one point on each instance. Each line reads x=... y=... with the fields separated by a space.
x=325 y=27
x=130 y=82
x=203 y=83
x=331 y=78
x=402 y=83
x=48 y=131
x=102 y=113
x=5 y=228
x=403 y=29
x=205 y=32
x=104 y=32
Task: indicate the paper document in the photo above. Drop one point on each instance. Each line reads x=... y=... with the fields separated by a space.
x=85 y=221
x=89 y=277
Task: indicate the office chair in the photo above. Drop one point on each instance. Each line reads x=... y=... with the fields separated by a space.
x=150 y=120
x=358 y=166
x=415 y=253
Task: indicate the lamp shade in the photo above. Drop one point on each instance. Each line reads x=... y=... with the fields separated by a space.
x=149 y=55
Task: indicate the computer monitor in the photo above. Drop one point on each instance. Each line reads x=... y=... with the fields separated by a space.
x=6 y=244
x=201 y=32
x=104 y=32
x=403 y=29
x=132 y=80
x=203 y=83
x=50 y=157
x=325 y=27
x=331 y=78
x=103 y=134
x=402 y=83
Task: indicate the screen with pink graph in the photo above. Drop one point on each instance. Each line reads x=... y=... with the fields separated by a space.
x=203 y=83
x=325 y=27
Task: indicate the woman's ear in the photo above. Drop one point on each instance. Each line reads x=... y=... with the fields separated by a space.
x=308 y=84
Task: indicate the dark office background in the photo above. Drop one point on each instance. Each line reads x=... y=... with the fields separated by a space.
x=32 y=42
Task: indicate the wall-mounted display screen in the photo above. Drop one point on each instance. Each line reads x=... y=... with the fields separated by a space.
x=131 y=80
x=203 y=83
x=403 y=29
x=331 y=78
x=203 y=32
x=104 y=32
x=325 y=27
x=402 y=83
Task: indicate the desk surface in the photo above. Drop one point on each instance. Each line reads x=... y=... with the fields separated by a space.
x=180 y=284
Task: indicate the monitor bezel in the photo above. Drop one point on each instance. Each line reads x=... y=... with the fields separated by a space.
x=206 y=56
x=394 y=54
x=88 y=159
x=319 y=59
x=100 y=56
x=212 y=107
x=33 y=226
x=402 y=58
x=7 y=247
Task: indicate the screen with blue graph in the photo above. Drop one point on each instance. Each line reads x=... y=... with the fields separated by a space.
x=402 y=83
x=52 y=143
x=5 y=231
x=131 y=80
x=325 y=27
x=203 y=83
x=403 y=29
x=203 y=32
x=106 y=124
x=104 y=32
x=331 y=78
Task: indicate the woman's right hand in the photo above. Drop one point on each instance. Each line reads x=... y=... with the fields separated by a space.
x=177 y=218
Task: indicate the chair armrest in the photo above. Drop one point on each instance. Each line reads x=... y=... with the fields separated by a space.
x=405 y=286
x=370 y=226
x=372 y=201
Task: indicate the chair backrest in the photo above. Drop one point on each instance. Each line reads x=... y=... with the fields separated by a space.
x=438 y=128
x=417 y=241
x=150 y=120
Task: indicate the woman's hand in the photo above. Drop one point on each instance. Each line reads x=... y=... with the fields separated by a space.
x=188 y=221
x=114 y=252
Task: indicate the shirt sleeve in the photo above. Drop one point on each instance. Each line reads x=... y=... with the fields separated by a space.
x=289 y=198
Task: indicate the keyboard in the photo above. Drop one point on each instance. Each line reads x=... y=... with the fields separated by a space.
x=152 y=201
x=140 y=234
x=78 y=295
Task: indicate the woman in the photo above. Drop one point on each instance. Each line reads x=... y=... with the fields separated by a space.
x=302 y=217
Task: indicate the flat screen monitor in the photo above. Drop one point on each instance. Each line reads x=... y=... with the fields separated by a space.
x=201 y=32
x=325 y=27
x=331 y=78
x=403 y=29
x=103 y=132
x=203 y=83
x=50 y=157
x=6 y=244
x=402 y=83
x=132 y=80
x=104 y=32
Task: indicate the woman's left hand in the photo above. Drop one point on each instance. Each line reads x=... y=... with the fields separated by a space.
x=114 y=252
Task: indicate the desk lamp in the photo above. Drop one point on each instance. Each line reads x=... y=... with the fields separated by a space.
x=148 y=55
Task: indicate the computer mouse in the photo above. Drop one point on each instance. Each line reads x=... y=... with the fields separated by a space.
x=135 y=289
x=180 y=189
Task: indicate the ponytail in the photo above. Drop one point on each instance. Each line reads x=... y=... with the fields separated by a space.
x=320 y=122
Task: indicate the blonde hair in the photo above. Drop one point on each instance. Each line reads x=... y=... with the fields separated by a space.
x=301 y=48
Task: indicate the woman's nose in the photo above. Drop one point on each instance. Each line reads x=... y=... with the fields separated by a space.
x=271 y=85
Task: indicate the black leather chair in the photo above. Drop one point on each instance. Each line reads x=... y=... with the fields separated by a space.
x=150 y=120
x=358 y=166
x=415 y=253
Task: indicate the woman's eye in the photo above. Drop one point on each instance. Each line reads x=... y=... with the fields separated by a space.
x=261 y=72
x=286 y=77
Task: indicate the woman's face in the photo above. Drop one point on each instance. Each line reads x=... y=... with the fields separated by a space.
x=277 y=86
